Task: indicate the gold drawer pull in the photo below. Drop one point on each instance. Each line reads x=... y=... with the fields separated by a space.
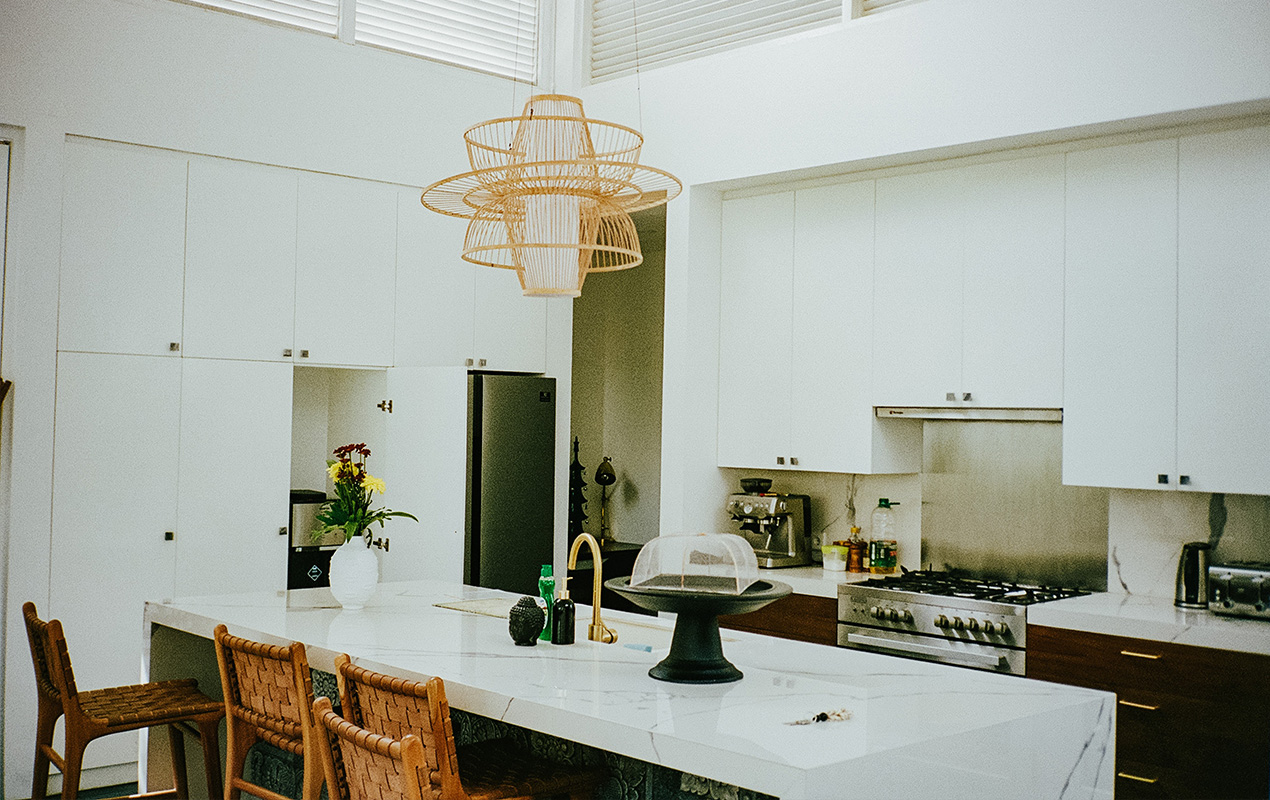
x=1142 y=706
x=1137 y=778
x=1147 y=656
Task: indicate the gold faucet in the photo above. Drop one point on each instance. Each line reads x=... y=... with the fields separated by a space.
x=598 y=632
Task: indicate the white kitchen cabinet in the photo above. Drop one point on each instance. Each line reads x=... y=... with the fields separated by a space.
x=114 y=502
x=234 y=476
x=123 y=249
x=1120 y=393
x=795 y=363
x=346 y=252
x=1223 y=325
x=240 y=261
x=509 y=330
x=969 y=281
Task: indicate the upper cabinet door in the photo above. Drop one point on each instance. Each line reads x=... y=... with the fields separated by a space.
x=1012 y=320
x=235 y=473
x=123 y=249
x=346 y=252
x=831 y=354
x=917 y=311
x=436 y=288
x=755 y=332
x=510 y=329
x=1120 y=356
x=240 y=261
x=1223 y=357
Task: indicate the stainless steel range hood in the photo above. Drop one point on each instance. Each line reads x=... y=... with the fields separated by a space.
x=970 y=413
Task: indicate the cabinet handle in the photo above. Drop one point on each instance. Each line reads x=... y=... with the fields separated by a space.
x=1131 y=777
x=951 y=397
x=169 y=536
x=467 y=362
x=174 y=347
x=965 y=396
x=1185 y=480
x=304 y=354
x=780 y=459
x=1142 y=706
x=286 y=353
x=1147 y=656
x=1161 y=478
x=481 y=363
x=282 y=531
x=793 y=460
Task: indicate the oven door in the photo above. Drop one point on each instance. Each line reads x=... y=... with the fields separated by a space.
x=928 y=648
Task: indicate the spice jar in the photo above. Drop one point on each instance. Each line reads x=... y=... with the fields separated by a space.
x=857 y=558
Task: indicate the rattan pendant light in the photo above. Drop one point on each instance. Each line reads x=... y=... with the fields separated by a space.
x=550 y=195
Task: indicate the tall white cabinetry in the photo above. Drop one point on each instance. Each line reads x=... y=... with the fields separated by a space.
x=969 y=281
x=1167 y=339
x=795 y=360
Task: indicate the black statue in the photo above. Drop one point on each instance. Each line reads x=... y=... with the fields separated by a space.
x=526 y=621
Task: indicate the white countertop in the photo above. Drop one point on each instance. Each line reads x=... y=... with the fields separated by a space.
x=917 y=729
x=816 y=580
x=1153 y=618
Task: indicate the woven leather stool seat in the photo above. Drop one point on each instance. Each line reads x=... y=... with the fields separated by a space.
x=179 y=705
x=268 y=698
x=399 y=708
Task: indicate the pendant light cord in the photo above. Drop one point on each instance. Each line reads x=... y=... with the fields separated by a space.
x=639 y=98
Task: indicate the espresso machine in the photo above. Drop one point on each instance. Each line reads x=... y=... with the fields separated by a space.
x=775 y=525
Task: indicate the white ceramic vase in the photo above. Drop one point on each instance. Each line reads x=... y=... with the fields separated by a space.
x=354 y=573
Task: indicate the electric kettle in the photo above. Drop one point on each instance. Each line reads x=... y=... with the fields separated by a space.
x=1192 y=576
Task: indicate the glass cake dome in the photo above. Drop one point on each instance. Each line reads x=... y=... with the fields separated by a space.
x=716 y=563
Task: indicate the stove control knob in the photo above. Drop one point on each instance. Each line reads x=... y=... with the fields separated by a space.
x=907 y=616
x=892 y=615
x=941 y=621
x=959 y=623
x=972 y=624
x=989 y=627
x=747 y=509
x=875 y=612
x=1003 y=629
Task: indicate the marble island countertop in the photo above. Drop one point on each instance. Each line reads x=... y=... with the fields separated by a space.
x=915 y=729
x=1154 y=618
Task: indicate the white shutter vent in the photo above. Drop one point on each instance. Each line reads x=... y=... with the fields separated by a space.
x=874 y=6
x=664 y=31
x=314 y=15
x=495 y=36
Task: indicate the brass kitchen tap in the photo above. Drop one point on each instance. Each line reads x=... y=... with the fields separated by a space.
x=598 y=632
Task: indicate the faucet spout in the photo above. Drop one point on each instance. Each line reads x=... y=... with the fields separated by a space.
x=598 y=631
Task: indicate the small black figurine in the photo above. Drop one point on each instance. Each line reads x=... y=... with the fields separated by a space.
x=526 y=621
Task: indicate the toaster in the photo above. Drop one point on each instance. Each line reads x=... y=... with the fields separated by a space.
x=1240 y=589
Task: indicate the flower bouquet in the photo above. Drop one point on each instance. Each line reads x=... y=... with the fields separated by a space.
x=350 y=510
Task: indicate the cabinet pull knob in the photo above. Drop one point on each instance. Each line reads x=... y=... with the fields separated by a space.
x=780 y=459
x=384 y=405
x=169 y=536
x=1185 y=480
x=951 y=397
x=1142 y=706
x=481 y=363
x=1161 y=478
x=965 y=396
x=286 y=353
x=1131 y=777
x=467 y=362
x=304 y=354
x=282 y=531
x=174 y=347
x=793 y=460
x=1147 y=656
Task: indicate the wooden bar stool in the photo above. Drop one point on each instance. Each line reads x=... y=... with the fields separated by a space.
x=497 y=769
x=361 y=765
x=268 y=697
x=89 y=715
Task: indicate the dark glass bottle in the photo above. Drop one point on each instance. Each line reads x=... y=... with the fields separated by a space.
x=562 y=618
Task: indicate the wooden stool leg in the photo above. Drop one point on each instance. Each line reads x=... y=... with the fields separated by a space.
x=74 y=758
x=209 y=735
x=313 y=774
x=180 y=780
x=240 y=737
x=47 y=721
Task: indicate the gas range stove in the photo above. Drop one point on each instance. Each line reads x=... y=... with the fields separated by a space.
x=944 y=617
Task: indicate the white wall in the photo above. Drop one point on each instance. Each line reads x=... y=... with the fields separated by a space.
x=938 y=78
x=171 y=75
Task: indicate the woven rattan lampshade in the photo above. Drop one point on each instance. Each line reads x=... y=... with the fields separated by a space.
x=550 y=195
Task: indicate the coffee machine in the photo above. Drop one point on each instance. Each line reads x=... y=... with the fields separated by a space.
x=775 y=525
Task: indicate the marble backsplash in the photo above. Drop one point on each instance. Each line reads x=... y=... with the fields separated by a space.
x=1146 y=531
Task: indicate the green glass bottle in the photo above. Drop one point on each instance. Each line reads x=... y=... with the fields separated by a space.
x=547 y=590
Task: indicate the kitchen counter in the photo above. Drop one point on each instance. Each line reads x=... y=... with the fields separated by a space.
x=1153 y=618
x=815 y=580
x=916 y=729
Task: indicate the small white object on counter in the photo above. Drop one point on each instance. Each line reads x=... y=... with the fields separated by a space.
x=916 y=729
x=1153 y=618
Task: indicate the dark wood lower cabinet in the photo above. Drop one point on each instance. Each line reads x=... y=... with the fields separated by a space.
x=1191 y=722
x=801 y=617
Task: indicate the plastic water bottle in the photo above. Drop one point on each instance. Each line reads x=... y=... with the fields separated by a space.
x=882 y=548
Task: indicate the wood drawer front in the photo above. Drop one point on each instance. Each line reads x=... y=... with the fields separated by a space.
x=1122 y=663
x=1168 y=730
x=804 y=618
x=1139 y=780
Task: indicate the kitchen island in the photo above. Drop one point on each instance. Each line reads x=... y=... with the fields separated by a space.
x=914 y=730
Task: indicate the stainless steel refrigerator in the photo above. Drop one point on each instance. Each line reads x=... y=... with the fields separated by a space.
x=510 y=480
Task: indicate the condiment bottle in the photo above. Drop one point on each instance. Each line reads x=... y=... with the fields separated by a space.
x=857 y=556
x=547 y=590
x=562 y=617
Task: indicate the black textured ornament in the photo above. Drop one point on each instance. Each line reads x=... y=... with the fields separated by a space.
x=526 y=621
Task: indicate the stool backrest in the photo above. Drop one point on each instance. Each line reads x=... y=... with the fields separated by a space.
x=361 y=765
x=54 y=677
x=268 y=686
x=398 y=707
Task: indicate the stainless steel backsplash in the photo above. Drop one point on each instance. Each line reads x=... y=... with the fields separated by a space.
x=994 y=505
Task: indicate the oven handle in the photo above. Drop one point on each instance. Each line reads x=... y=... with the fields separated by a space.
x=943 y=653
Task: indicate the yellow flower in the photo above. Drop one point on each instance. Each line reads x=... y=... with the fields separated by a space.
x=372 y=483
x=334 y=470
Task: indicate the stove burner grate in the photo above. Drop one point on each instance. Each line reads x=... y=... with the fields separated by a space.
x=948 y=585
